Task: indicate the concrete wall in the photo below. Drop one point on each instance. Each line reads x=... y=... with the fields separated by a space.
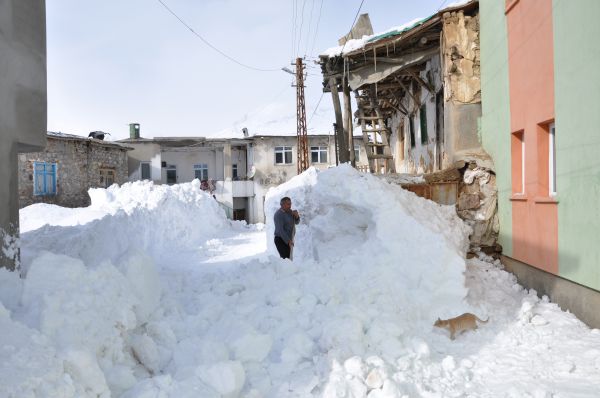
x=577 y=105
x=185 y=159
x=22 y=106
x=578 y=299
x=144 y=152
x=78 y=169
x=495 y=119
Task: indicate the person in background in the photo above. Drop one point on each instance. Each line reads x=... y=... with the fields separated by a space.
x=286 y=220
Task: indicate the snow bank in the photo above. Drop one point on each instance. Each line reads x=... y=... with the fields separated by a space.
x=140 y=215
x=368 y=227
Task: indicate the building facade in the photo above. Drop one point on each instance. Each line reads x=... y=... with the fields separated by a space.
x=540 y=123
x=63 y=172
x=237 y=171
x=22 y=107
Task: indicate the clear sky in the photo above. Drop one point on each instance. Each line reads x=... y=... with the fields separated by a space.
x=113 y=62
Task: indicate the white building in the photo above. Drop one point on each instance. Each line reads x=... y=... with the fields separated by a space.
x=238 y=171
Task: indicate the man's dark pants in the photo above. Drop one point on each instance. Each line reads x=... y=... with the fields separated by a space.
x=282 y=247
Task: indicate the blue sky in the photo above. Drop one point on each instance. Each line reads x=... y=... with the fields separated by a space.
x=113 y=62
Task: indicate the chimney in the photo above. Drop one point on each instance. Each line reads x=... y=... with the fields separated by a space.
x=245 y=132
x=134 y=131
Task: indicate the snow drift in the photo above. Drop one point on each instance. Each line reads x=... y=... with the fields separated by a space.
x=351 y=219
x=138 y=215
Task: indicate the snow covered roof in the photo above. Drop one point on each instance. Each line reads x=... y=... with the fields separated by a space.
x=358 y=44
x=73 y=137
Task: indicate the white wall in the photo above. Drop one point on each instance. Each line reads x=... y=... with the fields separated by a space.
x=144 y=152
x=422 y=157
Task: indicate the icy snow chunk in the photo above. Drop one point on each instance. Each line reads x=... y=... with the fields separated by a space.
x=298 y=346
x=140 y=271
x=355 y=367
x=374 y=379
x=538 y=320
x=227 y=377
x=252 y=347
x=146 y=352
x=449 y=364
x=83 y=368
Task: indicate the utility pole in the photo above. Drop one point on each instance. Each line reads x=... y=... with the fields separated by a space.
x=301 y=118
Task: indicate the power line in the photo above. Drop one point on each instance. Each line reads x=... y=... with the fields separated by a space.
x=213 y=47
x=316 y=29
x=312 y=6
x=350 y=31
x=316 y=108
x=301 y=23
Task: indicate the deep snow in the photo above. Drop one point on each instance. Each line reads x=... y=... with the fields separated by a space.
x=151 y=292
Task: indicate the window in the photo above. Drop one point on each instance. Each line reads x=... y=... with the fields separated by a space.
x=411 y=127
x=171 y=174
x=107 y=177
x=518 y=162
x=44 y=178
x=234 y=171
x=552 y=160
x=318 y=154
x=283 y=155
x=423 y=117
x=145 y=170
x=356 y=153
x=201 y=171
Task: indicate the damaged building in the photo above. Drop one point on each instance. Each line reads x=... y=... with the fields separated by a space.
x=418 y=97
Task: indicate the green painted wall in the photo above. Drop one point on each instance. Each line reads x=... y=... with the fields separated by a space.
x=495 y=121
x=577 y=118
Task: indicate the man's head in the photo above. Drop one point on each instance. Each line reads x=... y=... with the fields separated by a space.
x=285 y=203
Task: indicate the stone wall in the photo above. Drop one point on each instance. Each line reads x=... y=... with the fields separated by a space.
x=78 y=169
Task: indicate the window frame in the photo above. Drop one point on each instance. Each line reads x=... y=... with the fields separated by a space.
x=234 y=171
x=552 y=159
x=411 y=130
x=320 y=151
x=104 y=178
x=203 y=169
x=423 y=124
x=283 y=150
x=518 y=163
x=45 y=173
x=356 y=152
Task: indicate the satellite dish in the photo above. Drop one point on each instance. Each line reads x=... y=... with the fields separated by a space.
x=251 y=172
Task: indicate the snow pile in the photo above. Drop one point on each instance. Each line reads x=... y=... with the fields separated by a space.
x=138 y=215
x=352 y=219
x=78 y=331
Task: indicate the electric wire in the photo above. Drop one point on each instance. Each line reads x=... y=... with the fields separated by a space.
x=316 y=29
x=301 y=23
x=312 y=6
x=213 y=47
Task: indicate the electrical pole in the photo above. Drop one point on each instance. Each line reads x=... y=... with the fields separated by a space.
x=301 y=118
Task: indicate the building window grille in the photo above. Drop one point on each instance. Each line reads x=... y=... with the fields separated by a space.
x=107 y=177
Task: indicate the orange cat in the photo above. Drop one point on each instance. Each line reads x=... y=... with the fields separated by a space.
x=459 y=324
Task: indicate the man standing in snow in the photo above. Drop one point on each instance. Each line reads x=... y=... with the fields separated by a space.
x=286 y=220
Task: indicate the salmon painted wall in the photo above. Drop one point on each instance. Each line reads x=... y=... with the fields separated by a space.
x=531 y=87
x=495 y=119
x=577 y=85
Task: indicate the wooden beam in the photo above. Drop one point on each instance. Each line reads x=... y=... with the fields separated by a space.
x=417 y=102
x=421 y=82
x=341 y=137
x=348 y=129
